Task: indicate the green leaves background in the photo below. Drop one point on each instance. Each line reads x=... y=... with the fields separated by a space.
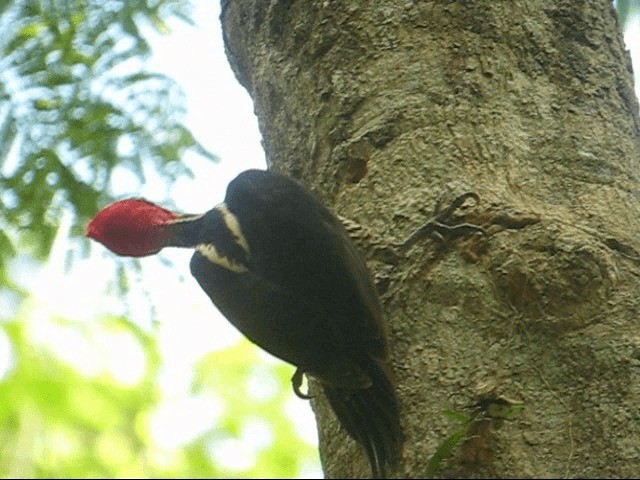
x=77 y=106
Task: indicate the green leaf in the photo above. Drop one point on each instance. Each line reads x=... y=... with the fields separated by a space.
x=32 y=30
x=459 y=417
x=504 y=411
x=7 y=137
x=159 y=24
x=444 y=451
x=46 y=104
x=7 y=249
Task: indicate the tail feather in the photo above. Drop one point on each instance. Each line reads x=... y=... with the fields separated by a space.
x=371 y=417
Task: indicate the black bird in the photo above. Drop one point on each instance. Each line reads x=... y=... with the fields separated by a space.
x=283 y=270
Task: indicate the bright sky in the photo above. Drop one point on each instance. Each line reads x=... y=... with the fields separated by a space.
x=220 y=113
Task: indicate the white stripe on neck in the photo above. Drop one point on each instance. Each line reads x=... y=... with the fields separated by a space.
x=231 y=221
x=210 y=252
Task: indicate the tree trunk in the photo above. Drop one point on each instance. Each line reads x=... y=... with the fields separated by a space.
x=378 y=106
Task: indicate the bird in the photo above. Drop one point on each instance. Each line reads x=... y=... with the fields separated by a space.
x=280 y=266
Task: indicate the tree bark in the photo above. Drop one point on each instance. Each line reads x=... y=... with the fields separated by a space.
x=378 y=106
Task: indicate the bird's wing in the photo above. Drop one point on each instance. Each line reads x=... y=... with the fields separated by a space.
x=298 y=244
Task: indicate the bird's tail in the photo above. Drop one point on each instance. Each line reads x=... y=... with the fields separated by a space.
x=371 y=417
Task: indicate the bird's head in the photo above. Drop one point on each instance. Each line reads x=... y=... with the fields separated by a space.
x=132 y=227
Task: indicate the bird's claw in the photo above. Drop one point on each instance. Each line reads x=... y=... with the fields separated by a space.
x=296 y=382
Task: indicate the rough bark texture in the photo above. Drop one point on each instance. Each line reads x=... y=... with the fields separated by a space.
x=378 y=105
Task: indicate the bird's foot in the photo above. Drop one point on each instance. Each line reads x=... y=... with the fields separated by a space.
x=296 y=382
x=442 y=225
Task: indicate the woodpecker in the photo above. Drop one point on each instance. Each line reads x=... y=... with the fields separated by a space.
x=283 y=270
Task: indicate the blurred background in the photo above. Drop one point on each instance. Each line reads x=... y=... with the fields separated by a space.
x=112 y=367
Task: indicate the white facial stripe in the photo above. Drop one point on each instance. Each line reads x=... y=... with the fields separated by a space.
x=210 y=253
x=186 y=218
x=233 y=225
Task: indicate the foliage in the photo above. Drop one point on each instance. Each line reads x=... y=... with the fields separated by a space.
x=627 y=9
x=77 y=108
x=263 y=392
x=474 y=429
x=56 y=422
x=75 y=104
x=60 y=419
x=445 y=449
